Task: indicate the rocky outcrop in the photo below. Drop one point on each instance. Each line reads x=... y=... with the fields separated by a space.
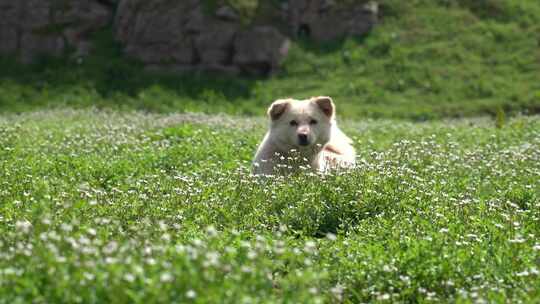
x=154 y=31
x=82 y=18
x=259 y=50
x=324 y=20
x=30 y=28
x=180 y=36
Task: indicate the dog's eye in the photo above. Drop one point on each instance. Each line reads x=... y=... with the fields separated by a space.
x=293 y=123
x=313 y=122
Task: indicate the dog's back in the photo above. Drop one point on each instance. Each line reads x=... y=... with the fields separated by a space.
x=338 y=152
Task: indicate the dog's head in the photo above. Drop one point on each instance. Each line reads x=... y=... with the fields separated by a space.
x=302 y=124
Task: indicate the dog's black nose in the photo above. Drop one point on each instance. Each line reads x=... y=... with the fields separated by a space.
x=303 y=139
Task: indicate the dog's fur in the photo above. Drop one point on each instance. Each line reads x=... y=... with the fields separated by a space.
x=303 y=134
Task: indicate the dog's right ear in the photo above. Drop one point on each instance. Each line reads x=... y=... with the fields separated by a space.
x=277 y=108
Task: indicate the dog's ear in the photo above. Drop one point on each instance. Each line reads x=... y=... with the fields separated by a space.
x=326 y=105
x=277 y=108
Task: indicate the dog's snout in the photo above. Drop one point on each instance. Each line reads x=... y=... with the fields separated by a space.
x=303 y=139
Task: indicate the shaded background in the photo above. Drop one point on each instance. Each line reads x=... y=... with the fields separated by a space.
x=392 y=59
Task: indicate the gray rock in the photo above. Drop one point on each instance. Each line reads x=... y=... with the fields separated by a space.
x=260 y=50
x=218 y=68
x=227 y=13
x=181 y=35
x=170 y=68
x=161 y=53
x=324 y=20
x=30 y=28
x=35 y=45
x=214 y=45
x=8 y=40
x=37 y=14
x=196 y=22
x=10 y=12
x=154 y=31
x=85 y=18
x=183 y=69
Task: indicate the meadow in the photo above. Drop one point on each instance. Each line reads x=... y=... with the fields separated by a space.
x=122 y=186
x=427 y=59
x=129 y=207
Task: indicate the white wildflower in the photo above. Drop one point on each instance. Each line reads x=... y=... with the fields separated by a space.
x=191 y=294
x=166 y=277
x=24 y=226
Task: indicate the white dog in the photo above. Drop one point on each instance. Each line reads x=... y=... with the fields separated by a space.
x=303 y=134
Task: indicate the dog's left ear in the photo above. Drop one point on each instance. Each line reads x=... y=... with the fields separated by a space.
x=277 y=108
x=326 y=105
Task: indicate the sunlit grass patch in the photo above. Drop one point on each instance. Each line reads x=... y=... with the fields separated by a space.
x=100 y=206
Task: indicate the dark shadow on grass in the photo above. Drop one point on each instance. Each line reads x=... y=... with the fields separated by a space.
x=322 y=48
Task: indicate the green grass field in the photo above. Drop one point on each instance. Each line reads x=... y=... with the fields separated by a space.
x=427 y=59
x=113 y=191
x=125 y=207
